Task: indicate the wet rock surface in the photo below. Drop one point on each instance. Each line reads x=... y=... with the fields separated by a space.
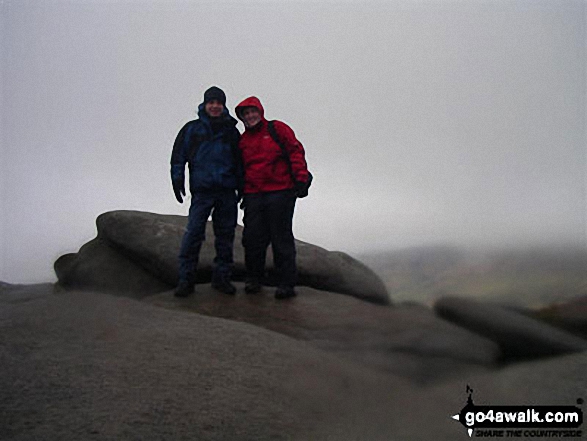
x=406 y=341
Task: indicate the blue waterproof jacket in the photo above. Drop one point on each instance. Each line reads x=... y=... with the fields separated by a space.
x=214 y=159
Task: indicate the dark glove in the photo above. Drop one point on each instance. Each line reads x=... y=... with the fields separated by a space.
x=179 y=188
x=301 y=189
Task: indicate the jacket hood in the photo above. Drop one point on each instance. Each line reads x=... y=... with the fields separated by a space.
x=251 y=101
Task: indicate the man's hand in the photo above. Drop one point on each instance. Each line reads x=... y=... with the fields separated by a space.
x=179 y=188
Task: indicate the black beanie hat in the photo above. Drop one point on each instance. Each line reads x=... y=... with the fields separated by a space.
x=214 y=93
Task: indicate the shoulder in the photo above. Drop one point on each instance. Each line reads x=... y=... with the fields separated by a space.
x=280 y=125
x=233 y=129
x=283 y=130
x=192 y=123
x=229 y=126
x=190 y=126
x=229 y=120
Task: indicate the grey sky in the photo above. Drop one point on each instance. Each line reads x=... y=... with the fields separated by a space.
x=424 y=122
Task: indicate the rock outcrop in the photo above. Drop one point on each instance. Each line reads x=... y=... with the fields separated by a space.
x=148 y=245
x=98 y=266
x=517 y=334
x=214 y=366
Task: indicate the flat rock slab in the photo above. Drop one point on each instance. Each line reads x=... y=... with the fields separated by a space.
x=407 y=341
x=152 y=241
x=519 y=336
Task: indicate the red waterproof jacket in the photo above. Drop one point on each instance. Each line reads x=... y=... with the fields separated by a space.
x=264 y=166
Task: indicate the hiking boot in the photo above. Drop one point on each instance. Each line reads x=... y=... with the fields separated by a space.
x=224 y=286
x=284 y=292
x=253 y=287
x=184 y=289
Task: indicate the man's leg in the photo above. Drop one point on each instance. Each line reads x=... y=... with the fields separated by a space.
x=224 y=221
x=191 y=244
x=255 y=240
x=280 y=216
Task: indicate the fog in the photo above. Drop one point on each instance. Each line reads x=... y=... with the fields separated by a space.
x=457 y=122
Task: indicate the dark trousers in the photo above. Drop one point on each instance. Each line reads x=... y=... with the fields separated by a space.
x=268 y=220
x=223 y=206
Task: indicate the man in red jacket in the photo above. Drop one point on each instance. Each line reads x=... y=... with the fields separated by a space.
x=269 y=197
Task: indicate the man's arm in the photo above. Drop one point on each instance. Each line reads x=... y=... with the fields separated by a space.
x=233 y=138
x=178 y=161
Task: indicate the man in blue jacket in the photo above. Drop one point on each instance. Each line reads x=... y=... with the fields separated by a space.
x=209 y=145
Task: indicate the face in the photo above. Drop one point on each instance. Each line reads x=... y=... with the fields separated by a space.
x=251 y=116
x=214 y=108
